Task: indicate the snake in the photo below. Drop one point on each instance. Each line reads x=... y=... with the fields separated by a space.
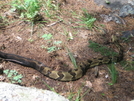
x=70 y=75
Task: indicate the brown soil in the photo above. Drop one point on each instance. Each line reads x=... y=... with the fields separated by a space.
x=16 y=34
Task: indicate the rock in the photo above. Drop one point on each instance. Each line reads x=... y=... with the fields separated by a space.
x=126 y=10
x=115 y=16
x=12 y=92
x=111 y=17
x=127 y=34
x=131 y=2
x=106 y=18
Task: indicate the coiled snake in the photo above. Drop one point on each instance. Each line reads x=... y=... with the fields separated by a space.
x=70 y=75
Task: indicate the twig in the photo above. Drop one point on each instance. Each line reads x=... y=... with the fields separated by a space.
x=54 y=23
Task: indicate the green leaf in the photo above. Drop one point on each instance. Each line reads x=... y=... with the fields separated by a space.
x=10 y=75
x=17 y=77
x=57 y=42
x=47 y=36
x=6 y=71
x=51 y=49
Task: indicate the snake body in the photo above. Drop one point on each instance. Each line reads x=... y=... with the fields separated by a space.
x=70 y=75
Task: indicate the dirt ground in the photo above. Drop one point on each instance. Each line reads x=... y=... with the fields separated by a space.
x=15 y=38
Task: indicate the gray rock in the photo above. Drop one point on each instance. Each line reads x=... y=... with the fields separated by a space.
x=116 y=19
x=131 y=2
x=126 y=10
x=114 y=4
x=12 y=92
x=127 y=34
x=111 y=17
x=106 y=18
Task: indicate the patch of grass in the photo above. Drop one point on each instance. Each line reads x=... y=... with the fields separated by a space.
x=102 y=49
x=88 y=20
x=78 y=95
x=128 y=65
x=126 y=39
x=13 y=76
x=28 y=9
x=52 y=89
x=50 y=9
x=3 y=22
x=106 y=52
x=113 y=73
x=72 y=58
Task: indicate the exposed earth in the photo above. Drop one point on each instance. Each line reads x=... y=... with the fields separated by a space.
x=16 y=38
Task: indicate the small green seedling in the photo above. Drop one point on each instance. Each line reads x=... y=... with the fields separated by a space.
x=30 y=40
x=103 y=94
x=107 y=2
x=47 y=36
x=57 y=42
x=13 y=76
x=51 y=49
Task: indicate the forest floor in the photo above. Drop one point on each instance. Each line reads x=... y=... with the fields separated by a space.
x=66 y=31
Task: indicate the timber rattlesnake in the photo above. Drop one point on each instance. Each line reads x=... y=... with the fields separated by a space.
x=71 y=75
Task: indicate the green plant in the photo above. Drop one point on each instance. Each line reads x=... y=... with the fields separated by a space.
x=72 y=58
x=47 y=36
x=51 y=5
x=57 y=42
x=113 y=73
x=13 y=76
x=106 y=52
x=69 y=35
x=3 y=22
x=50 y=9
x=28 y=9
x=127 y=65
x=102 y=49
x=52 y=89
x=51 y=49
x=107 y=1
x=103 y=94
x=88 y=20
x=78 y=96
x=30 y=40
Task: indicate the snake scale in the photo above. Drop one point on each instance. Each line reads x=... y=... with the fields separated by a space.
x=70 y=75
